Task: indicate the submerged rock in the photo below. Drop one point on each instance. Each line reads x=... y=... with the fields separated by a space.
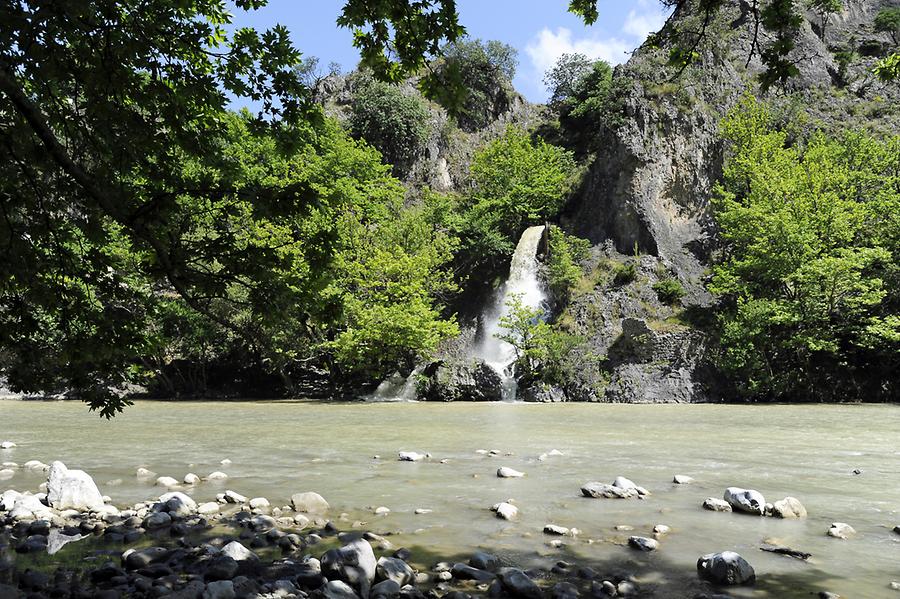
x=716 y=505
x=505 y=510
x=412 y=456
x=726 y=568
x=7 y=445
x=72 y=489
x=681 y=479
x=788 y=508
x=841 y=530
x=517 y=584
x=643 y=543
x=745 y=500
x=504 y=472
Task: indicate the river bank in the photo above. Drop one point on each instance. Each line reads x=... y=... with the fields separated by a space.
x=278 y=449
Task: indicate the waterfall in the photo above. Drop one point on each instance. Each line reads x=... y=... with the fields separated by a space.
x=522 y=281
x=396 y=388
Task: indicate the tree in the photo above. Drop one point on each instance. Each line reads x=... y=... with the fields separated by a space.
x=563 y=262
x=809 y=271
x=517 y=182
x=594 y=105
x=825 y=8
x=482 y=74
x=888 y=21
x=563 y=77
x=394 y=122
x=542 y=350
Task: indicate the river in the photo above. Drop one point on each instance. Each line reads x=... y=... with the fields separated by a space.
x=280 y=448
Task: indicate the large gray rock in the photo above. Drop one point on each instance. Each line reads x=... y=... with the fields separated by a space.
x=726 y=568
x=599 y=490
x=461 y=381
x=309 y=503
x=788 y=508
x=397 y=570
x=176 y=504
x=745 y=500
x=71 y=489
x=517 y=584
x=354 y=563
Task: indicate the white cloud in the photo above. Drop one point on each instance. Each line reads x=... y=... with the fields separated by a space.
x=547 y=46
x=648 y=18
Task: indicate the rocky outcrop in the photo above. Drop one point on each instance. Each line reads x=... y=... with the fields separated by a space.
x=464 y=380
x=646 y=197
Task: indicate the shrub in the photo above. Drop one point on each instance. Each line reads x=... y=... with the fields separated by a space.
x=395 y=123
x=563 y=269
x=668 y=290
x=624 y=274
x=594 y=104
x=888 y=21
x=483 y=71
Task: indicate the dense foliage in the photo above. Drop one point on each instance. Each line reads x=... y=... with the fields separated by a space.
x=588 y=102
x=542 y=349
x=482 y=73
x=517 y=182
x=394 y=122
x=565 y=254
x=809 y=277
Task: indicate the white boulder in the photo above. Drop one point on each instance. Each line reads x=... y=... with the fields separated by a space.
x=309 y=502
x=72 y=489
x=745 y=500
x=504 y=472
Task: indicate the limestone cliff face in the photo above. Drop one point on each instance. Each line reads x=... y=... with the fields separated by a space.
x=650 y=187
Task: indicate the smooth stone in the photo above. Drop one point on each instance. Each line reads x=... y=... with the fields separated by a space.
x=220 y=567
x=505 y=510
x=421 y=511
x=841 y=530
x=386 y=589
x=191 y=479
x=553 y=529
x=382 y=510
x=238 y=552
x=517 y=584
x=394 y=569
x=643 y=543
x=258 y=503
x=725 y=568
x=484 y=561
x=788 y=508
x=504 y=472
x=166 y=481
x=745 y=500
x=219 y=589
x=337 y=589
x=626 y=589
x=210 y=507
x=716 y=505
x=72 y=489
x=234 y=497
x=176 y=504
x=661 y=529
x=144 y=473
x=36 y=465
x=309 y=502
x=466 y=572
x=7 y=445
x=7 y=473
x=682 y=479
x=216 y=476
x=141 y=558
x=599 y=490
x=354 y=563
x=411 y=456
x=157 y=520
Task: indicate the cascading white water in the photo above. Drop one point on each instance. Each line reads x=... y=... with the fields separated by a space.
x=522 y=282
x=396 y=388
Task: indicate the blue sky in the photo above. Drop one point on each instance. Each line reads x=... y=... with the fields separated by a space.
x=540 y=30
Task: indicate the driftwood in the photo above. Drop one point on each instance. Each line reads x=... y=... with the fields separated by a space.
x=787 y=551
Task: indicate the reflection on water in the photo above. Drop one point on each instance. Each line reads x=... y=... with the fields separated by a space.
x=277 y=449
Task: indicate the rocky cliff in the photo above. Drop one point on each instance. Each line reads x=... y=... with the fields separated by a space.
x=646 y=197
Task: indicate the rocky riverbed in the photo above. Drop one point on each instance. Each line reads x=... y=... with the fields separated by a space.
x=242 y=547
x=567 y=494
